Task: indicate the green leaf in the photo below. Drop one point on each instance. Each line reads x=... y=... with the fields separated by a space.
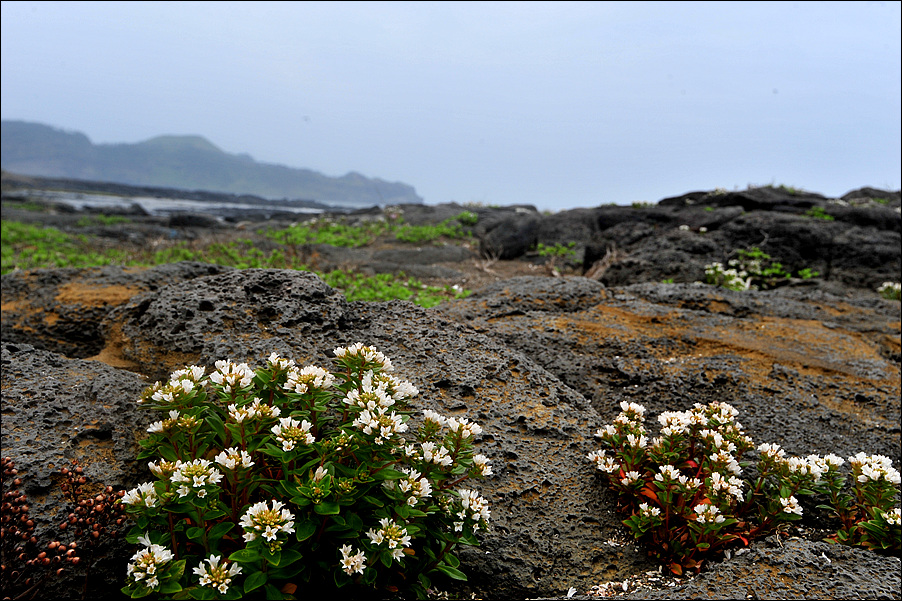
x=272 y=557
x=389 y=474
x=327 y=508
x=305 y=530
x=245 y=556
x=289 y=556
x=254 y=581
x=201 y=592
x=195 y=533
x=452 y=561
x=170 y=587
x=452 y=572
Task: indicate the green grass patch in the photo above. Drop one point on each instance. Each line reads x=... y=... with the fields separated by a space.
x=92 y=220
x=26 y=246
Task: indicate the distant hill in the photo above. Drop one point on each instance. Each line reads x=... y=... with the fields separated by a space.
x=184 y=162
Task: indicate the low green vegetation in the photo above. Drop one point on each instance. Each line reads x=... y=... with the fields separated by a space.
x=817 y=212
x=752 y=270
x=890 y=290
x=340 y=233
x=26 y=246
x=92 y=220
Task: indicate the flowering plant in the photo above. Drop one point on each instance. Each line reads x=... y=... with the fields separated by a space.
x=890 y=290
x=287 y=476
x=753 y=270
x=687 y=498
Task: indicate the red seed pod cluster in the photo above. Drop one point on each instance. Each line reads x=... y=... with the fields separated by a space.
x=92 y=518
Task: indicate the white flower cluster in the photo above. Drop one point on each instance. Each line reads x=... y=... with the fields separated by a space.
x=392 y=535
x=234 y=458
x=290 y=431
x=473 y=507
x=893 y=517
x=730 y=486
x=648 y=512
x=384 y=425
x=708 y=514
x=308 y=378
x=172 y=390
x=217 y=576
x=256 y=410
x=351 y=562
x=414 y=486
x=232 y=376
x=194 y=476
x=438 y=456
x=146 y=563
x=603 y=462
x=144 y=495
x=791 y=505
x=367 y=353
x=277 y=362
x=260 y=520
x=481 y=465
x=874 y=468
x=732 y=278
x=463 y=427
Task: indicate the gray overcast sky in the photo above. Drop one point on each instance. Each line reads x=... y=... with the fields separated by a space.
x=557 y=104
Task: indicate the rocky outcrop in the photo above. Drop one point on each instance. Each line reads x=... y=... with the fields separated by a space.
x=539 y=362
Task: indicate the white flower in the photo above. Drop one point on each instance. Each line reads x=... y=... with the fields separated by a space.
x=630 y=478
x=731 y=486
x=232 y=376
x=352 y=563
x=144 y=495
x=303 y=380
x=369 y=398
x=603 y=462
x=893 y=517
x=393 y=535
x=473 y=506
x=791 y=505
x=481 y=465
x=634 y=411
x=647 y=511
x=291 y=431
x=234 y=458
x=194 y=476
x=464 y=427
x=438 y=456
x=278 y=362
x=432 y=416
x=874 y=468
x=771 y=450
x=384 y=425
x=708 y=514
x=216 y=576
x=147 y=562
x=367 y=353
x=667 y=473
x=259 y=520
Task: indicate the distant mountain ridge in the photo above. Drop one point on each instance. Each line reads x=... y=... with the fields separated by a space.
x=184 y=162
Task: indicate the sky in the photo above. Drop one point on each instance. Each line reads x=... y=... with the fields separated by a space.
x=555 y=104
